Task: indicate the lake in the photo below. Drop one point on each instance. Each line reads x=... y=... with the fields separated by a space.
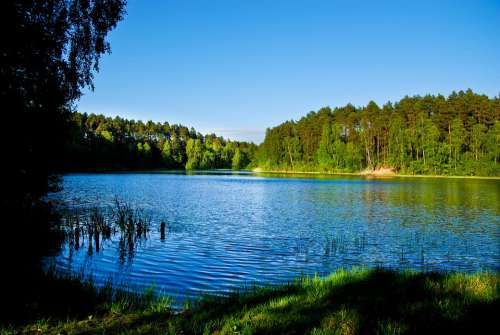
x=225 y=230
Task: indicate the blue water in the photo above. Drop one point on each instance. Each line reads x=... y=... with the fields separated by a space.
x=227 y=230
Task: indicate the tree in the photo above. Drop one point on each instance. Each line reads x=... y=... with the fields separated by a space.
x=147 y=149
x=493 y=142
x=178 y=151
x=353 y=158
x=194 y=154
x=457 y=140
x=429 y=134
x=293 y=152
x=102 y=142
x=237 y=161
x=397 y=143
x=326 y=148
x=50 y=53
x=332 y=149
x=228 y=152
x=107 y=135
x=478 y=140
x=432 y=160
x=166 y=153
x=208 y=159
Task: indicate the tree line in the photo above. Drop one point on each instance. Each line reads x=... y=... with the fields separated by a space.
x=432 y=134
x=99 y=142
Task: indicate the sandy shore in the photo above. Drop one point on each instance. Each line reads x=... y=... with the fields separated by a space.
x=384 y=172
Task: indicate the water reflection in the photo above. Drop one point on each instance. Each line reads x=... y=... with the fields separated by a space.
x=212 y=233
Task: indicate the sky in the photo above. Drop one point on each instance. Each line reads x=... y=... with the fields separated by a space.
x=237 y=67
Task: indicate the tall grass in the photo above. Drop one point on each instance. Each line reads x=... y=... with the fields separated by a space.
x=359 y=301
x=96 y=225
x=130 y=220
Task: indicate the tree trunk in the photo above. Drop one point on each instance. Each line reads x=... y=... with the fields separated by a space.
x=290 y=155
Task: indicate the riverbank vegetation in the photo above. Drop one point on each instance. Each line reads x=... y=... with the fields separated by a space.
x=436 y=135
x=99 y=142
x=429 y=135
x=358 y=301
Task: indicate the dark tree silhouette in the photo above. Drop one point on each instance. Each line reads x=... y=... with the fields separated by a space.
x=50 y=51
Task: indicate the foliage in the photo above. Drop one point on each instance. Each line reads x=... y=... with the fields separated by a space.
x=50 y=51
x=458 y=135
x=100 y=142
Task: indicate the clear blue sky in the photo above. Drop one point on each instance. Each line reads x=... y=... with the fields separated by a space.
x=236 y=67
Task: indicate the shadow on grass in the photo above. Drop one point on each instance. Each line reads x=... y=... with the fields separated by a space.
x=360 y=301
x=347 y=302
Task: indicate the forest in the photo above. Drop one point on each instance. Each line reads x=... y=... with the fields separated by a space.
x=431 y=134
x=99 y=142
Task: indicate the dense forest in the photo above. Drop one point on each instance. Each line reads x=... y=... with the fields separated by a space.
x=99 y=142
x=457 y=135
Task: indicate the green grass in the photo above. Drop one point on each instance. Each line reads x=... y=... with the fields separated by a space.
x=360 y=301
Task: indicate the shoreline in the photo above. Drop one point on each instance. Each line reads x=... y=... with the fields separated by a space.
x=315 y=304
x=287 y=172
x=373 y=175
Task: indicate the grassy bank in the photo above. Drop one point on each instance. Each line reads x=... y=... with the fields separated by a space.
x=346 y=302
x=362 y=174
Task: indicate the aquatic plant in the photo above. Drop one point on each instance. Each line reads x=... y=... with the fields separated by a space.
x=97 y=224
x=130 y=220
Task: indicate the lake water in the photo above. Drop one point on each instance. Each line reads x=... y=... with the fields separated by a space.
x=228 y=230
